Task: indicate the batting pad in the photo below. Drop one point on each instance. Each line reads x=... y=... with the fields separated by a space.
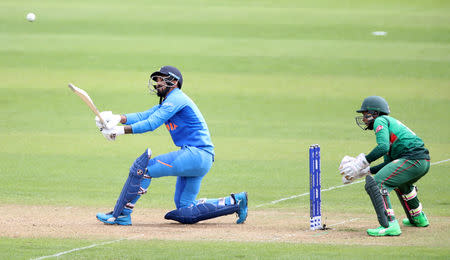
x=132 y=185
x=199 y=212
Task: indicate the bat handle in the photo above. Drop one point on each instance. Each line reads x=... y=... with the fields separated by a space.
x=102 y=121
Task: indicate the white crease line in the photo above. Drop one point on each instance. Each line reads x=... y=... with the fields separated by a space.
x=440 y=162
x=307 y=193
x=331 y=188
x=86 y=247
x=340 y=223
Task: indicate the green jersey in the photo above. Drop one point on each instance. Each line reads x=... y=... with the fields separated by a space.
x=395 y=140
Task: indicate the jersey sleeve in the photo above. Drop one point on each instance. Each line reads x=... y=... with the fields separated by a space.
x=378 y=167
x=162 y=113
x=139 y=116
x=381 y=128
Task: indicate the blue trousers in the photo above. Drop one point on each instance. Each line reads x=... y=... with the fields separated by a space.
x=189 y=165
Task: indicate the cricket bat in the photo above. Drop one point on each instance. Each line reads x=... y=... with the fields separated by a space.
x=85 y=97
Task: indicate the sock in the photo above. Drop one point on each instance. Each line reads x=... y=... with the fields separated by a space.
x=221 y=201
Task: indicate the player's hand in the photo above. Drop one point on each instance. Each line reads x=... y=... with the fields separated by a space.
x=363 y=172
x=346 y=179
x=361 y=161
x=349 y=170
x=111 y=134
x=345 y=160
x=353 y=168
x=110 y=119
x=344 y=164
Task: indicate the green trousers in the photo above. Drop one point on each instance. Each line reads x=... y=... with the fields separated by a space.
x=401 y=174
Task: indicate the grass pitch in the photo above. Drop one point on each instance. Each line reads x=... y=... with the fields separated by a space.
x=270 y=78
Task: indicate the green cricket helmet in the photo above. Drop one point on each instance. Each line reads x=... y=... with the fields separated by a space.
x=374 y=106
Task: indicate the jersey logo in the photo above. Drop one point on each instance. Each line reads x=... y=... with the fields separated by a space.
x=378 y=129
x=171 y=126
x=167 y=104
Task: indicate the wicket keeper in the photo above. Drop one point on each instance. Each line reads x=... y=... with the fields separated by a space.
x=189 y=164
x=406 y=160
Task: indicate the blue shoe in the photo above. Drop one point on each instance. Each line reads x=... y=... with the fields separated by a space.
x=242 y=200
x=124 y=220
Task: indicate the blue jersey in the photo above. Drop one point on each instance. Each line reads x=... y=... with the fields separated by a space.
x=181 y=117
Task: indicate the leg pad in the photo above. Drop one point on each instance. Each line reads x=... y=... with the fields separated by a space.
x=377 y=200
x=199 y=212
x=132 y=185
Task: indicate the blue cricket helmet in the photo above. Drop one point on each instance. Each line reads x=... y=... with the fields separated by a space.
x=169 y=71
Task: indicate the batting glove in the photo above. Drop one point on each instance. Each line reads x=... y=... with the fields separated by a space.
x=110 y=119
x=111 y=134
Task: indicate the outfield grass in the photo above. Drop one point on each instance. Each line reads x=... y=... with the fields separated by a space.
x=156 y=249
x=271 y=78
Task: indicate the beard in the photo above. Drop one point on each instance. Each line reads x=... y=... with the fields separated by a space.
x=370 y=125
x=162 y=92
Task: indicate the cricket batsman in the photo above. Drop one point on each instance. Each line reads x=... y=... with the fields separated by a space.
x=189 y=164
x=406 y=160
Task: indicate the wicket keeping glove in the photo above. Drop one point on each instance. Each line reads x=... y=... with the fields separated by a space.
x=111 y=134
x=353 y=169
x=346 y=179
x=110 y=119
x=361 y=161
x=345 y=160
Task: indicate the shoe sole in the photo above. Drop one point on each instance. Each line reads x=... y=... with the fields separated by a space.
x=390 y=235
x=385 y=235
x=409 y=225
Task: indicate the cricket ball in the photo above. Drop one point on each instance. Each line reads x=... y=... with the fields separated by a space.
x=31 y=17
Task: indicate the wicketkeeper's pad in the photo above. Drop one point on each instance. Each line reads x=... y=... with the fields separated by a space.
x=377 y=200
x=404 y=198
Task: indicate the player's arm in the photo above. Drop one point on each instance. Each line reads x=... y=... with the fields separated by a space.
x=376 y=168
x=381 y=129
x=156 y=117
x=131 y=118
x=360 y=166
x=163 y=113
x=113 y=120
x=112 y=130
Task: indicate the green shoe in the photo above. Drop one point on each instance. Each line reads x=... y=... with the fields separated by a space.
x=392 y=230
x=419 y=221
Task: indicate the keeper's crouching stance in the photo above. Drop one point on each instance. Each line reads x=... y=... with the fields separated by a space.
x=189 y=164
x=406 y=160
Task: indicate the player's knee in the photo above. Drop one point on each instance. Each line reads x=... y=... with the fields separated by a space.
x=378 y=180
x=182 y=203
x=139 y=166
x=185 y=215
